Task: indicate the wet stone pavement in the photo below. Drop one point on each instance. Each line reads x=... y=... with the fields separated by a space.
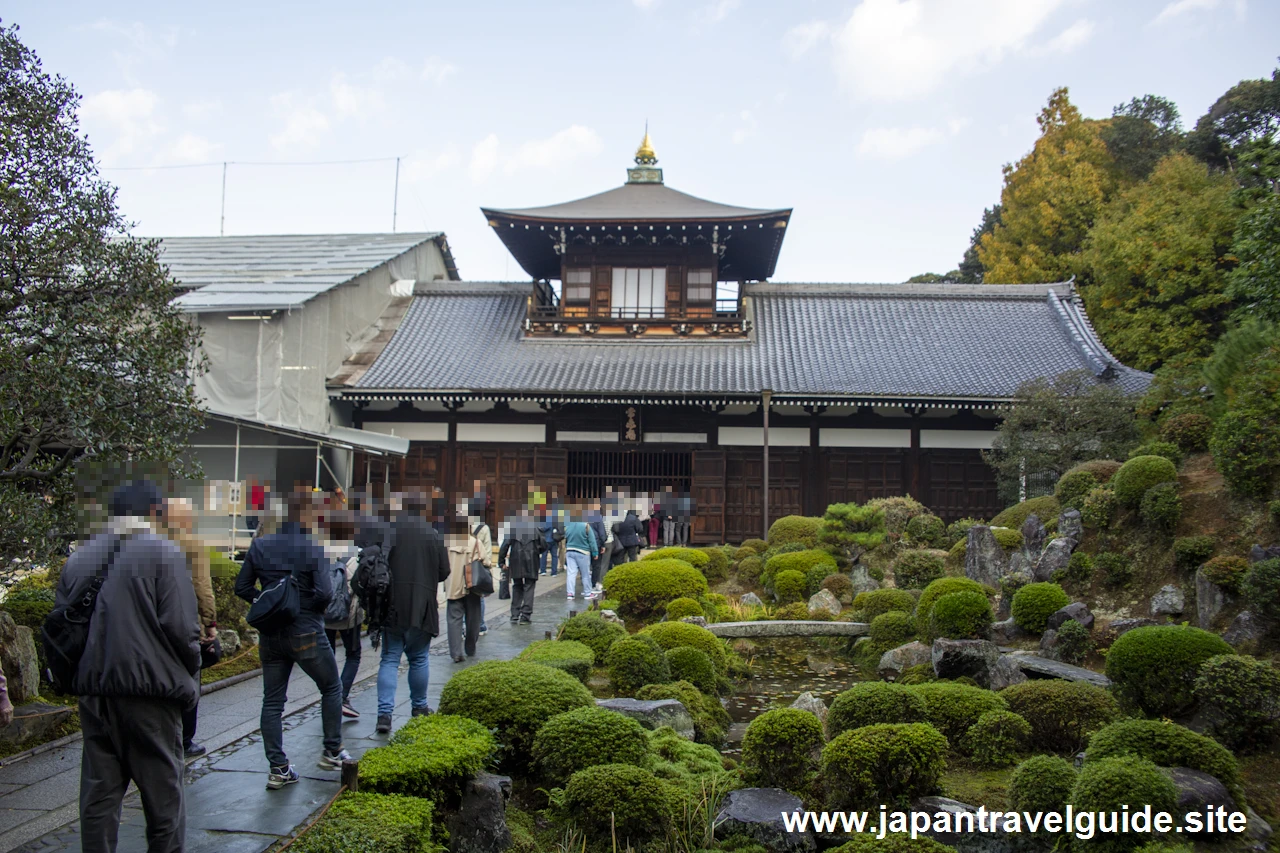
x=228 y=806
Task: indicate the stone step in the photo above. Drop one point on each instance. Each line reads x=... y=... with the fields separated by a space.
x=1055 y=669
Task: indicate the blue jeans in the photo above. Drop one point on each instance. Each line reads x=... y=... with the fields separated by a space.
x=279 y=652
x=396 y=642
x=578 y=564
x=549 y=559
x=351 y=665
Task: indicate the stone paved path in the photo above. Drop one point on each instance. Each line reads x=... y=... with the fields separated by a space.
x=228 y=807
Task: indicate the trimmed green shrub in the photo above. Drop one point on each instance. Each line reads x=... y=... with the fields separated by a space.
x=1139 y=474
x=430 y=756
x=1246 y=437
x=1099 y=507
x=717 y=567
x=1261 y=586
x=371 y=823
x=781 y=749
x=1153 y=669
x=757 y=545
x=569 y=655
x=1063 y=714
x=892 y=629
x=750 y=569
x=877 y=601
x=798 y=610
x=1241 y=696
x=893 y=843
x=1034 y=603
x=618 y=799
x=1190 y=431
x=585 y=737
x=802 y=529
x=1046 y=508
x=952 y=707
x=934 y=591
x=670 y=635
x=789 y=585
x=996 y=739
x=1113 y=783
x=958 y=531
x=926 y=529
x=1075 y=643
x=869 y=703
x=1167 y=449
x=1227 y=572
x=1007 y=538
x=633 y=663
x=884 y=763
x=1072 y=488
x=1161 y=507
x=1167 y=745
x=593 y=632
x=921 y=673
x=897 y=511
x=916 y=569
x=696 y=557
x=1079 y=568
x=682 y=607
x=710 y=719
x=688 y=764
x=644 y=587
x=1042 y=783
x=961 y=616
x=742 y=552
x=840 y=586
x=29 y=606
x=686 y=663
x=803 y=561
x=1103 y=469
x=1117 y=569
x=1190 y=551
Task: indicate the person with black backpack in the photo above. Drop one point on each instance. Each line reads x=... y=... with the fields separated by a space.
x=343 y=617
x=522 y=548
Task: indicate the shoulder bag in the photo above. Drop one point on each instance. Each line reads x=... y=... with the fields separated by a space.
x=277 y=606
x=65 y=633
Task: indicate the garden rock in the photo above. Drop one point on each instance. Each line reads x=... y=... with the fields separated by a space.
x=1037 y=665
x=611 y=616
x=229 y=640
x=963 y=842
x=1049 y=644
x=1123 y=626
x=1210 y=600
x=1070 y=526
x=700 y=621
x=811 y=703
x=1033 y=536
x=750 y=599
x=1009 y=586
x=1005 y=673
x=824 y=599
x=654 y=713
x=480 y=824
x=862 y=581
x=1169 y=601
x=250 y=637
x=1077 y=610
x=33 y=721
x=1258 y=831
x=1006 y=631
x=984 y=559
x=757 y=814
x=1257 y=553
x=18 y=657
x=1196 y=790
x=1245 y=632
x=972 y=658
x=1057 y=554
x=895 y=661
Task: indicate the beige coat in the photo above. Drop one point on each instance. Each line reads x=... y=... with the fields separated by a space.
x=460 y=559
x=201 y=574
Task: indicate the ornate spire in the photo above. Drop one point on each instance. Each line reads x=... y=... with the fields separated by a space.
x=646 y=170
x=645 y=155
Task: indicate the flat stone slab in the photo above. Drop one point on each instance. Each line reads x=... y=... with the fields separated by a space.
x=1055 y=669
x=790 y=628
x=653 y=713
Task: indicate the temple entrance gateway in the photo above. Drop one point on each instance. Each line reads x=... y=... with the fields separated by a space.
x=591 y=473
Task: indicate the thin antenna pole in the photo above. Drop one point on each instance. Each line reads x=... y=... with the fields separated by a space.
x=222 y=224
x=395 y=198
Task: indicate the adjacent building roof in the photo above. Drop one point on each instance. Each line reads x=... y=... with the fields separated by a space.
x=279 y=271
x=961 y=344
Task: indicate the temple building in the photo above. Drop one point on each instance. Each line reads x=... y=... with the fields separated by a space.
x=650 y=348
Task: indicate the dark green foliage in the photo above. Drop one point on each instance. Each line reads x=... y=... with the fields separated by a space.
x=29 y=606
x=1099 y=507
x=917 y=569
x=1079 y=568
x=717 y=567
x=1141 y=133
x=643 y=588
x=618 y=799
x=1189 y=431
x=1242 y=698
x=926 y=529
x=961 y=616
x=1190 y=551
x=919 y=674
x=1273 y=509
x=1072 y=488
x=1255 y=283
x=750 y=569
x=686 y=663
x=996 y=739
x=958 y=531
x=710 y=719
x=801 y=529
x=682 y=607
x=1167 y=449
x=585 y=737
x=840 y=586
x=898 y=512
x=1262 y=587
x=870 y=702
x=804 y=562
x=569 y=655
x=884 y=600
x=953 y=707
x=633 y=663
x=670 y=635
x=934 y=591
x=798 y=610
x=371 y=823
x=593 y=632
x=1103 y=469
x=892 y=629
x=1007 y=537
x=1046 y=508
x=1161 y=508
x=1042 y=783
x=789 y=585
x=1075 y=643
x=849 y=530
x=1153 y=669
x=889 y=763
x=1139 y=474
x=1167 y=745
x=1112 y=783
x=1034 y=603
x=429 y=757
x=893 y=843
x=1117 y=569
x=1226 y=571
x=781 y=749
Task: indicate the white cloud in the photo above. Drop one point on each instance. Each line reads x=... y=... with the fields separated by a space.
x=556 y=151
x=191 y=148
x=719 y=10
x=424 y=165
x=747 y=129
x=1072 y=37
x=129 y=113
x=484 y=158
x=302 y=123
x=352 y=100
x=1178 y=8
x=893 y=50
x=896 y=143
x=436 y=70
x=800 y=39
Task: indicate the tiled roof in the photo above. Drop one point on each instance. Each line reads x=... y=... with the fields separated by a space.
x=271 y=272
x=635 y=203
x=927 y=342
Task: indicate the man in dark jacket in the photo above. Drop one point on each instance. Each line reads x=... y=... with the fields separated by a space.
x=137 y=674
x=522 y=546
x=419 y=563
x=629 y=533
x=271 y=558
x=595 y=520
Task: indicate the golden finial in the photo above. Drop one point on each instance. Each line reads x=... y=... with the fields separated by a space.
x=645 y=155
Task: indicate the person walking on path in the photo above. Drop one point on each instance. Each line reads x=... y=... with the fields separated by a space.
x=419 y=564
x=138 y=671
x=179 y=527
x=521 y=550
x=272 y=558
x=630 y=534
x=595 y=518
x=340 y=549
x=580 y=546
x=547 y=528
x=484 y=540
x=463 y=607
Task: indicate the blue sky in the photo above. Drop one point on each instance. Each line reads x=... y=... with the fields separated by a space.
x=884 y=123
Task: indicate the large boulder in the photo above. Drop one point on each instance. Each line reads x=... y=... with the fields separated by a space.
x=1056 y=555
x=612 y=616
x=972 y=658
x=33 y=721
x=895 y=661
x=862 y=581
x=824 y=599
x=1211 y=599
x=984 y=560
x=1258 y=553
x=757 y=814
x=1033 y=537
x=18 y=657
x=1169 y=601
x=1119 y=627
x=994 y=841
x=1070 y=526
x=1258 y=831
x=480 y=823
x=1077 y=610
x=1005 y=673
x=654 y=713
x=750 y=599
x=229 y=640
x=1245 y=632
x=810 y=702
x=1006 y=631
x=1198 y=790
